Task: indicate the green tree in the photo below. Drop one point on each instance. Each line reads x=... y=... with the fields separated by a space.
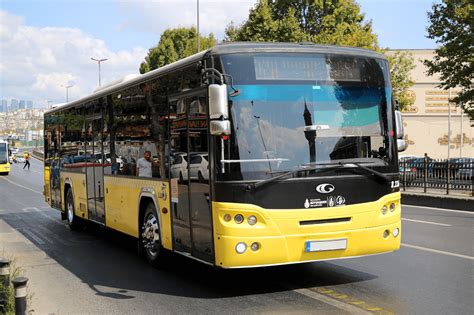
x=174 y=45
x=451 y=27
x=401 y=63
x=334 y=22
x=331 y=22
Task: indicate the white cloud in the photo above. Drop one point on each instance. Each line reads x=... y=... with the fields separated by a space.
x=36 y=62
x=156 y=16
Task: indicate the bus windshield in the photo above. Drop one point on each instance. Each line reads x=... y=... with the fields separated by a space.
x=294 y=110
x=3 y=153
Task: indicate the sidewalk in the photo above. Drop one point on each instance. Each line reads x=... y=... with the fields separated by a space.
x=438 y=200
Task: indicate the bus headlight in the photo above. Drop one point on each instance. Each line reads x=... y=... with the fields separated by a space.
x=396 y=232
x=240 y=248
x=392 y=207
x=252 y=220
x=227 y=217
x=384 y=210
x=239 y=218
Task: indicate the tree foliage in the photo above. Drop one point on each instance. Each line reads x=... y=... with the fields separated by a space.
x=331 y=22
x=334 y=22
x=401 y=63
x=451 y=23
x=174 y=45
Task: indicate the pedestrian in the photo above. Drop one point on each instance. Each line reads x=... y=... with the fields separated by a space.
x=144 y=165
x=27 y=160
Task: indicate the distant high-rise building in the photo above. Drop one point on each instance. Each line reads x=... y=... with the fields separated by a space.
x=3 y=106
x=13 y=105
x=22 y=104
x=29 y=104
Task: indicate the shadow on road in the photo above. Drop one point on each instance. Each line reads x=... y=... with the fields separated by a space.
x=107 y=262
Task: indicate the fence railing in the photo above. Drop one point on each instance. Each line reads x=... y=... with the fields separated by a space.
x=444 y=175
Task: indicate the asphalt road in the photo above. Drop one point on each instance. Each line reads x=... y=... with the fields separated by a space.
x=98 y=272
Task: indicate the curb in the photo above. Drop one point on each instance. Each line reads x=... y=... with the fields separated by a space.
x=438 y=201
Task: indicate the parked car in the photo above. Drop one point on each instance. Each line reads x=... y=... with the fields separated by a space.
x=14 y=151
x=179 y=166
x=462 y=168
x=405 y=164
x=199 y=167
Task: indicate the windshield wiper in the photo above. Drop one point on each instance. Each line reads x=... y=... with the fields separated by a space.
x=367 y=169
x=328 y=166
x=285 y=174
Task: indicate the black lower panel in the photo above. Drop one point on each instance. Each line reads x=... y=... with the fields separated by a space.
x=302 y=192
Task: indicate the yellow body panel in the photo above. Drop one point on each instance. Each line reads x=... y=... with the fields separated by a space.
x=78 y=183
x=47 y=187
x=282 y=239
x=5 y=168
x=122 y=198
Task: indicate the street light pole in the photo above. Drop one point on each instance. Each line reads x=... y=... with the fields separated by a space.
x=67 y=91
x=99 y=61
x=198 y=40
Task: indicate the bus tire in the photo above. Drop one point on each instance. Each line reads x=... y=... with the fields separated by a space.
x=72 y=220
x=150 y=237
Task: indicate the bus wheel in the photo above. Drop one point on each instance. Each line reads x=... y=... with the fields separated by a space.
x=72 y=220
x=151 y=237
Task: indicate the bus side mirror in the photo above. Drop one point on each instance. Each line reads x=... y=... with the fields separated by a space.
x=399 y=124
x=220 y=127
x=401 y=145
x=219 y=110
x=218 y=104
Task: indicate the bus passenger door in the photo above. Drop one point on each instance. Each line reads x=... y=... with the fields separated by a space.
x=179 y=176
x=95 y=170
x=192 y=220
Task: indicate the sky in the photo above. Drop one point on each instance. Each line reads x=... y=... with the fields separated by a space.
x=46 y=45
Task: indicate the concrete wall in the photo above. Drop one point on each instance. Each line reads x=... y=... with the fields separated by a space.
x=426 y=121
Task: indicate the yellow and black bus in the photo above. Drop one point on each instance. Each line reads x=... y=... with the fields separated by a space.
x=4 y=157
x=243 y=155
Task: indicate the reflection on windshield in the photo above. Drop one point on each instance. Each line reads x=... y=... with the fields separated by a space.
x=281 y=127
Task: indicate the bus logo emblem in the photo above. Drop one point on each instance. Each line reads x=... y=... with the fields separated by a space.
x=325 y=188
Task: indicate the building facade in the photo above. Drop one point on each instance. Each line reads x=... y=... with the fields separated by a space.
x=428 y=121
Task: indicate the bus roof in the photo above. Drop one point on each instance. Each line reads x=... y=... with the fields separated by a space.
x=222 y=49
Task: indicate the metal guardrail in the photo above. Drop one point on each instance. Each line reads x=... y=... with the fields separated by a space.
x=448 y=175
x=38 y=153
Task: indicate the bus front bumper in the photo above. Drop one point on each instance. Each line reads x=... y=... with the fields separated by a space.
x=280 y=250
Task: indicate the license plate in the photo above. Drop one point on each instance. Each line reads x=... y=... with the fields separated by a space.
x=319 y=246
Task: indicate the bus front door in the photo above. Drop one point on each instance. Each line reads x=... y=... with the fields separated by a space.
x=192 y=219
x=95 y=170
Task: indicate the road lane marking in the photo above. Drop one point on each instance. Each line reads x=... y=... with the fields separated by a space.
x=332 y=301
x=426 y=222
x=19 y=185
x=440 y=209
x=437 y=251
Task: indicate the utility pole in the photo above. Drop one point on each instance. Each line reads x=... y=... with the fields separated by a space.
x=99 y=61
x=462 y=136
x=198 y=39
x=449 y=123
